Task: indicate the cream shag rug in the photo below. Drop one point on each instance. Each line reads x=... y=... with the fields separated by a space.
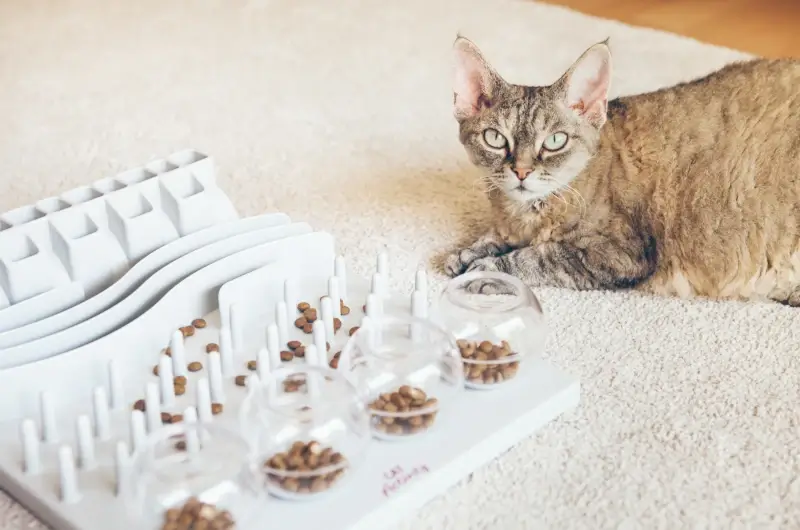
x=339 y=113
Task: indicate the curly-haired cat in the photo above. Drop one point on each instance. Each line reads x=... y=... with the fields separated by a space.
x=692 y=190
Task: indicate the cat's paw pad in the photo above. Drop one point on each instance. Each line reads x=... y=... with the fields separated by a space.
x=457 y=262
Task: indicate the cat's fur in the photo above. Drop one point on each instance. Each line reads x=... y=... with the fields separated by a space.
x=692 y=190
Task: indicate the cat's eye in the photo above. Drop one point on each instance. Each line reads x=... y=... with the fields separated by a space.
x=556 y=141
x=494 y=139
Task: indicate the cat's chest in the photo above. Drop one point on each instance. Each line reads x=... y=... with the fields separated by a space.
x=533 y=228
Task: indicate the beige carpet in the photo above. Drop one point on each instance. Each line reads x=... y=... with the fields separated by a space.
x=339 y=113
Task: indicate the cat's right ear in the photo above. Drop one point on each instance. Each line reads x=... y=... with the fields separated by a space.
x=475 y=83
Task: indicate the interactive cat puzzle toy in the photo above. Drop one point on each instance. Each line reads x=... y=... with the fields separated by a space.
x=150 y=339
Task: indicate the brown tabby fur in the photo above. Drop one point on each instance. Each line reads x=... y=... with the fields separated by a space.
x=692 y=190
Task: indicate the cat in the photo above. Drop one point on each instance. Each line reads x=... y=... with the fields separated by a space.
x=688 y=191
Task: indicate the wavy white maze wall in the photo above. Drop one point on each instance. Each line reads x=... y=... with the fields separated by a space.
x=67 y=436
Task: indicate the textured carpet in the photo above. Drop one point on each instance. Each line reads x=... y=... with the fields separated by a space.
x=339 y=113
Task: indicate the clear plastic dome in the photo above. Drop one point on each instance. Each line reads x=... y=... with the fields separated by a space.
x=410 y=370
x=310 y=428
x=498 y=323
x=192 y=472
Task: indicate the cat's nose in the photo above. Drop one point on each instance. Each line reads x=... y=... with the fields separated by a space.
x=522 y=173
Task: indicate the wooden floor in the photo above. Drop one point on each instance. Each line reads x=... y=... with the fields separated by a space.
x=769 y=28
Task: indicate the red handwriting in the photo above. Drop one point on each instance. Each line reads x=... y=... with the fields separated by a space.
x=397 y=477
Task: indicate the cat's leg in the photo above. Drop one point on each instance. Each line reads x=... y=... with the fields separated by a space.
x=488 y=245
x=590 y=262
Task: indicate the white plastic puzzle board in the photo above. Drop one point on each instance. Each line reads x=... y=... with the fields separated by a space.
x=67 y=435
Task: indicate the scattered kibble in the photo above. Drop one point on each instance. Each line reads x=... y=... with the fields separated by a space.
x=195 y=366
x=212 y=347
x=240 y=380
x=335 y=360
x=196 y=515
x=303 y=306
x=353 y=330
x=187 y=331
x=300 y=352
x=166 y=417
x=252 y=365
x=293 y=344
x=139 y=405
x=180 y=380
x=287 y=356
x=199 y=323
x=216 y=408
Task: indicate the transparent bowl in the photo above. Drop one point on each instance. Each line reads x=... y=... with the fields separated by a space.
x=189 y=473
x=410 y=370
x=496 y=328
x=310 y=429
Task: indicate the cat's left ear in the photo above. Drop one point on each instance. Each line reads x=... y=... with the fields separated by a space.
x=475 y=84
x=584 y=88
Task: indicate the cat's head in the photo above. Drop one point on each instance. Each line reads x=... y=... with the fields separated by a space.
x=532 y=141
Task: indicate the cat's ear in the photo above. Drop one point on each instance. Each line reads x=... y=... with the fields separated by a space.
x=584 y=87
x=475 y=84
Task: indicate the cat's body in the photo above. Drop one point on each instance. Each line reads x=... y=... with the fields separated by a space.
x=692 y=190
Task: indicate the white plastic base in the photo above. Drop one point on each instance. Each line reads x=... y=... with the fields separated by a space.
x=67 y=430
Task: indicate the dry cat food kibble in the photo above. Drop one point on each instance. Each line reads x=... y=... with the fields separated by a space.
x=196 y=515
x=286 y=356
x=353 y=330
x=303 y=324
x=139 y=405
x=393 y=410
x=216 y=408
x=252 y=365
x=199 y=323
x=293 y=344
x=240 y=380
x=310 y=315
x=195 y=366
x=179 y=389
x=300 y=352
x=335 y=360
x=180 y=380
x=481 y=364
x=303 y=306
x=337 y=325
x=155 y=370
x=212 y=347
x=311 y=459
x=166 y=417
x=187 y=331
x=177 y=418
x=343 y=309
x=294 y=383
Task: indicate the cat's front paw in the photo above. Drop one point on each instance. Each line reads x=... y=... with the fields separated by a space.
x=487 y=286
x=458 y=262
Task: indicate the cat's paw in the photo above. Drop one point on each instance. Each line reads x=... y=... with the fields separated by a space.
x=458 y=262
x=487 y=286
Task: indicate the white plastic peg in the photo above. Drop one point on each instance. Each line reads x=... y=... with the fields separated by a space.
x=421 y=283
x=152 y=401
x=377 y=284
x=282 y=321
x=419 y=305
x=102 y=423
x=85 y=442
x=121 y=468
x=335 y=296
x=326 y=308
x=31 y=460
x=340 y=271
x=68 y=480
x=262 y=364
x=115 y=387
x=374 y=306
x=192 y=438
x=166 y=380
x=215 y=376
x=226 y=354
x=178 y=354
x=48 y=418
x=383 y=264
x=312 y=355
x=203 y=401
x=320 y=340
x=138 y=432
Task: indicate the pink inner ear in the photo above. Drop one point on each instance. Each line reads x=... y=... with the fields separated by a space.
x=587 y=92
x=470 y=96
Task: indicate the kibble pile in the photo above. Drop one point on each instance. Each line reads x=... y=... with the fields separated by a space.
x=394 y=411
x=196 y=515
x=487 y=363
x=309 y=461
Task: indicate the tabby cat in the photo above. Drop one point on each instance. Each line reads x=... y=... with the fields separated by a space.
x=690 y=191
